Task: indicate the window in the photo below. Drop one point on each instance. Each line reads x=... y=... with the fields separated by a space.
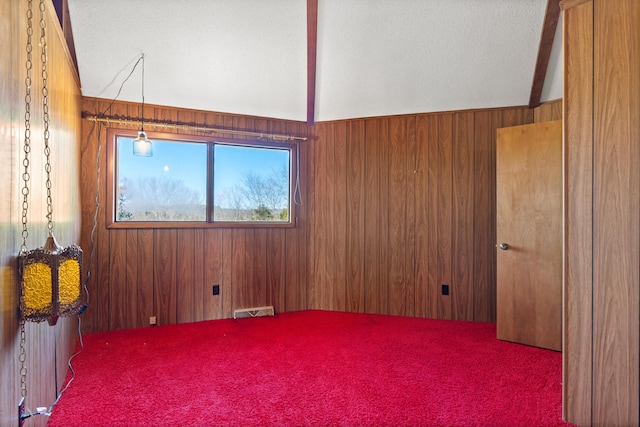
x=195 y=182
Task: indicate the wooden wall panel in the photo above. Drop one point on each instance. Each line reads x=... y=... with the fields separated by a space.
x=277 y=274
x=185 y=276
x=423 y=294
x=462 y=263
x=337 y=172
x=132 y=274
x=355 y=200
x=616 y=213
x=371 y=256
x=200 y=286
x=217 y=254
x=410 y=170
x=483 y=203
x=236 y=266
x=602 y=212
x=578 y=202
x=443 y=217
x=251 y=271
x=121 y=305
x=99 y=287
x=431 y=195
x=295 y=284
x=259 y=259
x=318 y=237
x=549 y=111
x=164 y=275
x=88 y=154
x=145 y=258
x=325 y=211
x=397 y=212
x=48 y=347
x=384 y=267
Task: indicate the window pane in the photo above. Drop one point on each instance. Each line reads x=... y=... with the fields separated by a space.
x=169 y=186
x=251 y=183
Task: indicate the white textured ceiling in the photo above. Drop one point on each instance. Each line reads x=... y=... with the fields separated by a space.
x=375 y=57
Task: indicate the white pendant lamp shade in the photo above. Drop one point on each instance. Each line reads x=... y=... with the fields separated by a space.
x=142 y=145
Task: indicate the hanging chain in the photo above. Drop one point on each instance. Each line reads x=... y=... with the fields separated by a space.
x=27 y=129
x=22 y=356
x=45 y=114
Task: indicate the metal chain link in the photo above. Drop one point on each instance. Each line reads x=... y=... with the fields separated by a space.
x=27 y=129
x=45 y=114
x=22 y=356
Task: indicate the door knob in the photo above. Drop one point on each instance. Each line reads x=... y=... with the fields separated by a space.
x=503 y=246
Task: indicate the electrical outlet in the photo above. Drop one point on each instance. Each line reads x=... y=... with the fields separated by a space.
x=153 y=321
x=21 y=412
x=445 y=289
x=216 y=289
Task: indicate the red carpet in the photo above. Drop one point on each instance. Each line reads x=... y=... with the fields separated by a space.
x=313 y=368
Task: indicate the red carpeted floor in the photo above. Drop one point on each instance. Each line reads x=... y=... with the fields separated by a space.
x=314 y=368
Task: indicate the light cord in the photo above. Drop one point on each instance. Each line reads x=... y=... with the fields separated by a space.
x=122 y=85
x=297 y=193
x=142 y=119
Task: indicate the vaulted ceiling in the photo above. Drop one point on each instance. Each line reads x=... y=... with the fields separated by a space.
x=374 y=57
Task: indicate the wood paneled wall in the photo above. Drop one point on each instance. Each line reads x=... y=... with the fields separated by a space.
x=391 y=209
x=400 y=206
x=48 y=348
x=616 y=213
x=602 y=223
x=578 y=202
x=169 y=273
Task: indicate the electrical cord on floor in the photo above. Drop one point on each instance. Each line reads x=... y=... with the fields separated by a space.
x=33 y=414
x=47 y=411
x=73 y=372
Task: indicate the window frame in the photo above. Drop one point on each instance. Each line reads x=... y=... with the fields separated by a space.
x=110 y=211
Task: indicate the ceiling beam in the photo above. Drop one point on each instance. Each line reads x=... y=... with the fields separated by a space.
x=551 y=16
x=62 y=10
x=312 y=43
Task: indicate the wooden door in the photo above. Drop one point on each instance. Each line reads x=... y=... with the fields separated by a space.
x=529 y=234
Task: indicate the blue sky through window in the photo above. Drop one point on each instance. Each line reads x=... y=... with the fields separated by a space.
x=184 y=161
x=232 y=162
x=187 y=162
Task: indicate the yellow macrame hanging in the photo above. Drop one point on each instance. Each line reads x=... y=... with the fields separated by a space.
x=50 y=276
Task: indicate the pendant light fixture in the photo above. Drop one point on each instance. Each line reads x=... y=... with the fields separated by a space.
x=142 y=145
x=50 y=276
